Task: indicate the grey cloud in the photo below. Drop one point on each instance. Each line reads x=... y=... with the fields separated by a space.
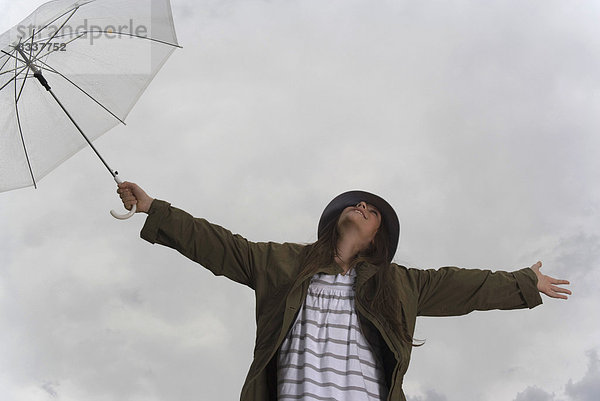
x=588 y=388
x=430 y=395
x=131 y=296
x=50 y=388
x=534 y=393
x=579 y=254
x=573 y=257
x=480 y=122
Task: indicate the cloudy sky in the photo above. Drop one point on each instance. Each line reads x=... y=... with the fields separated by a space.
x=477 y=120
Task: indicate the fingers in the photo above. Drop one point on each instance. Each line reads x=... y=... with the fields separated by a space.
x=550 y=285
x=126 y=185
x=560 y=290
x=126 y=189
x=556 y=295
x=129 y=201
x=132 y=194
x=554 y=291
x=125 y=193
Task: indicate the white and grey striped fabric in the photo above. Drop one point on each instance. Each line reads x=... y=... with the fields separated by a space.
x=325 y=356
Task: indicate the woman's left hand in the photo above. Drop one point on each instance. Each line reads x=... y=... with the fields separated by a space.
x=548 y=285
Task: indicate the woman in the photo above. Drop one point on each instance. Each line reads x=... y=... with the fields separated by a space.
x=335 y=318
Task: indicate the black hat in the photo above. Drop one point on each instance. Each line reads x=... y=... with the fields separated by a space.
x=351 y=198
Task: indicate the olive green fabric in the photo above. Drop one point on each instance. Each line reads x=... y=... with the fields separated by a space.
x=272 y=269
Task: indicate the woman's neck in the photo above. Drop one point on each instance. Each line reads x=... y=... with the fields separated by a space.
x=346 y=251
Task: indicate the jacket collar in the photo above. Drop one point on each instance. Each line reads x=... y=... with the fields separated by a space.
x=332 y=268
x=364 y=271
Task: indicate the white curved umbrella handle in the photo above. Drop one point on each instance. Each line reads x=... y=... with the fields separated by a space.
x=126 y=215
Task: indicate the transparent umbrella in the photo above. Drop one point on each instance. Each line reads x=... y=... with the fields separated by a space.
x=71 y=71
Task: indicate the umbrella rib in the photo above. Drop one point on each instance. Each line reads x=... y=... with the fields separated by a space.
x=16 y=59
x=8 y=59
x=6 y=62
x=12 y=70
x=53 y=70
x=139 y=37
x=123 y=33
x=51 y=22
x=13 y=78
x=28 y=76
x=54 y=35
x=19 y=125
x=26 y=72
x=22 y=86
x=54 y=50
x=13 y=56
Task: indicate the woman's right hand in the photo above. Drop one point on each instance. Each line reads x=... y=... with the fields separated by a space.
x=131 y=194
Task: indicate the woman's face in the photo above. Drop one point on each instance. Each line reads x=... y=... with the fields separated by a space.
x=364 y=217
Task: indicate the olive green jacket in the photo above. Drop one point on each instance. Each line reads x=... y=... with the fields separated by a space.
x=272 y=269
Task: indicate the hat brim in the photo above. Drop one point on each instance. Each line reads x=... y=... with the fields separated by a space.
x=350 y=198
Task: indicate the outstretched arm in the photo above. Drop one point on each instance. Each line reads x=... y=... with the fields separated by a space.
x=548 y=285
x=255 y=264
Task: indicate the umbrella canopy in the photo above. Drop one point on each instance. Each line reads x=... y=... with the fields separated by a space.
x=98 y=56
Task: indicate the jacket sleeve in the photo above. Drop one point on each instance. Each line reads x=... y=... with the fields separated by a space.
x=453 y=291
x=214 y=247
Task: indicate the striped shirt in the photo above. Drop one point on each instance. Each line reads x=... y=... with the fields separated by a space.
x=325 y=356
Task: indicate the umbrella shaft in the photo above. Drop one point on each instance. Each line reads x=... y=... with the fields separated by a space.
x=113 y=173
x=36 y=71
x=38 y=74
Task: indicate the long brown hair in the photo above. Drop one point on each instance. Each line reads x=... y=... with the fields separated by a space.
x=384 y=301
